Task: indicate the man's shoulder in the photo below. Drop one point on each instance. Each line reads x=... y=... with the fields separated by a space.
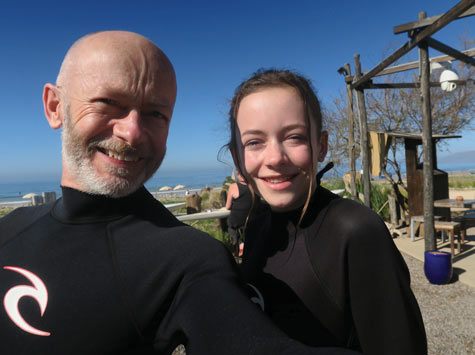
x=160 y=227
x=179 y=245
x=20 y=218
x=26 y=214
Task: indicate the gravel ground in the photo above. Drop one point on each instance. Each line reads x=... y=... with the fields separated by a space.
x=448 y=312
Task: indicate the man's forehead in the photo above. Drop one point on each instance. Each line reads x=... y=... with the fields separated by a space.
x=119 y=60
x=103 y=73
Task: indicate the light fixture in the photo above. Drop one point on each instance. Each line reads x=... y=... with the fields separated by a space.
x=445 y=80
x=447 y=76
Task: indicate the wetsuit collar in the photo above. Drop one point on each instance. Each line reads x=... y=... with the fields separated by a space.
x=78 y=206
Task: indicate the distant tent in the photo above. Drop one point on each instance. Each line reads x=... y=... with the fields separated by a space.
x=165 y=188
x=30 y=195
x=179 y=187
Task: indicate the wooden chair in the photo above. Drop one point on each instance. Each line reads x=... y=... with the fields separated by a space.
x=467 y=220
x=420 y=221
x=453 y=229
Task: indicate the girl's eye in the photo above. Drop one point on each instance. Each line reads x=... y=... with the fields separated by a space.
x=158 y=114
x=251 y=144
x=297 y=138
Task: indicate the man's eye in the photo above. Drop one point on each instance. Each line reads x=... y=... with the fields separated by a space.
x=108 y=101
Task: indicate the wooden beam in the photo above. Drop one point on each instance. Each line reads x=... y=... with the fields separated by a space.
x=364 y=144
x=427 y=146
x=428 y=21
x=351 y=136
x=433 y=84
x=419 y=37
x=450 y=51
x=415 y=65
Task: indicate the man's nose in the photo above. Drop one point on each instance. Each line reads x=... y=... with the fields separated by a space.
x=275 y=154
x=129 y=128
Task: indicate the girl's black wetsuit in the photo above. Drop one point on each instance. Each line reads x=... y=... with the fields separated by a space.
x=95 y=275
x=338 y=279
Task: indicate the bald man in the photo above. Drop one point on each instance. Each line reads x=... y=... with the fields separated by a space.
x=106 y=269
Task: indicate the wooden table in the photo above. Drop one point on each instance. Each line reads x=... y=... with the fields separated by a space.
x=453 y=203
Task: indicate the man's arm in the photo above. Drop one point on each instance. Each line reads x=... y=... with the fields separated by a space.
x=215 y=316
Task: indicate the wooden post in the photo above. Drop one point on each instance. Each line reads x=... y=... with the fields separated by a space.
x=49 y=196
x=363 y=134
x=393 y=209
x=427 y=146
x=351 y=136
x=37 y=200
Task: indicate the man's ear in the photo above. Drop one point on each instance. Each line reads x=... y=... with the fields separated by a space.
x=53 y=106
x=323 y=145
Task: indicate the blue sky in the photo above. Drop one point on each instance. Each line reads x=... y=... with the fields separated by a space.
x=213 y=45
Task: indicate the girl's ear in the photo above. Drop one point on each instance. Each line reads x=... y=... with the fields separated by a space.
x=52 y=105
x=323 y=146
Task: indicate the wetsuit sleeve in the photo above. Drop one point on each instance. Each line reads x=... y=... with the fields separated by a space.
x=384 y=309
x=214 y=315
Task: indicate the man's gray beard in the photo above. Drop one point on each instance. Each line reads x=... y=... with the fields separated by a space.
x=120 y=181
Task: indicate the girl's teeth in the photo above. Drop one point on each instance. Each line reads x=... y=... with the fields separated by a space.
x=277 y=180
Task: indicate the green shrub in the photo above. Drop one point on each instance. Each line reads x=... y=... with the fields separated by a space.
x=333 y=184
x=204 y=197
x=228 y=180
x=5 y=210
x=379 y=196
x=213 y=228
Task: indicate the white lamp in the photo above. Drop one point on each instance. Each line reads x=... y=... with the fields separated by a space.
x=445 y=80
x=446 y=76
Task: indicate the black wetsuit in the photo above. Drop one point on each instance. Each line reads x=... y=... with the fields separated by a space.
x=337 y=280
x=94 y=275
x=240 y=207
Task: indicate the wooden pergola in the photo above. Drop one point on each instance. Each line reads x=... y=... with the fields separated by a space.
x=420 y=33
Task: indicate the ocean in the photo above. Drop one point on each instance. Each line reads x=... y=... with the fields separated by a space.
x=14 y=191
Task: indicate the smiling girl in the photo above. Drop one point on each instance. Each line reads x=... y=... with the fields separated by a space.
x=324 y=268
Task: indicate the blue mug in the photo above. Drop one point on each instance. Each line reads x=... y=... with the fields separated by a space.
x=438 y=266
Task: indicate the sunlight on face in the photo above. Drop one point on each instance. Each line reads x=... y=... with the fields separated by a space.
x=113 y=181
x=275 y=146
x=117 y=111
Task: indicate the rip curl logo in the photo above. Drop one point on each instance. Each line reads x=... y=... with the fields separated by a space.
x=259 y=300
x=38 y=292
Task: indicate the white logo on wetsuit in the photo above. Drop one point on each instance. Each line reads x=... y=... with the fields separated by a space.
x=259 y=300
x=38 y=292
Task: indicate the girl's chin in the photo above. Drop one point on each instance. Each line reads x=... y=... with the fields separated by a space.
x=285 y=206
